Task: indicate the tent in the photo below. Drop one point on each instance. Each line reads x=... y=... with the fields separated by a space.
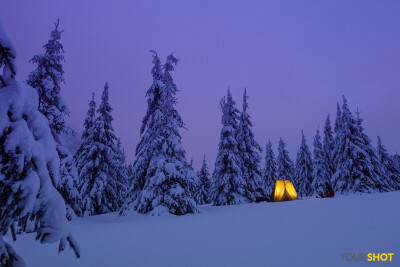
x=284 y=191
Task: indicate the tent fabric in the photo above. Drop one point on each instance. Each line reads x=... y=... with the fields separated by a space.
x=284 y=191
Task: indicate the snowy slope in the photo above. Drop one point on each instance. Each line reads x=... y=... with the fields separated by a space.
x=310 y=232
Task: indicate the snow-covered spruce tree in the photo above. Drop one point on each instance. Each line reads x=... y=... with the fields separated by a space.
x=166 y=173
x=285 y=167
x=250 y=154
x=29 y=164
x=392 y=171
x=382 y=183
x=321 y=172
x=121 y=172
x=68 y=185
x=47 y=79
x=85 y=158
x=303 y=169
x=148 y=131
x=202 y=195
x=229 y=186
x=329 y=144
x=354 y=158
x=99 y=161
x=269 y=172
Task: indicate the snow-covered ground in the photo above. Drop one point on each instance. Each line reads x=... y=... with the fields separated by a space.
x=310 y=232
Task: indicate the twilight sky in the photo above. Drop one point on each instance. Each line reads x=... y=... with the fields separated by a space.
x=296 y=59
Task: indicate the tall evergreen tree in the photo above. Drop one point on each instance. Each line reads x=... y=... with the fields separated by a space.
x=29 y=164
x=47 y=79
x=321 y=183
x=285 y=167
x=304 y=170
x=329 y=144
x=355 y=160
x=392 y=171
x=202 y=195
x=161 y=162
x=229 y=185
x=269 y=169
x=148 y=132
x=99 y=161
x=250 y=154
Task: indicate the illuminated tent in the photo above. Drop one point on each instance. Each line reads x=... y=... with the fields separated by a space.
x=284 y=191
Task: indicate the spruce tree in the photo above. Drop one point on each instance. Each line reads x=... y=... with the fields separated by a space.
x=321 y=172
x=285 y=167
x=47 y=79
x=329 y=144
x=161 y=163
x=228 y=182
x=99 y=161
x=269 y=169
x=29 y=164
x=148 y=132
x=250 y=154
x=357 y=169
x=304 y=170
x=202 y=195
x=392 y=171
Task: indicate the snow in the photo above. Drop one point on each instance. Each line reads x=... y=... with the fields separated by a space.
x=308 y=232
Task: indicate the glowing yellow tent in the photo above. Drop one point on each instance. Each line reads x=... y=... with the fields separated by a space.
x=284 y=191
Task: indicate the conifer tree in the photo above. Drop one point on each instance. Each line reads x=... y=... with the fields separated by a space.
x=269 y=169
x=392 y=171
x=285 y=168
x=357 y=168
x=161 y=162
x=321 y=172
x=303 y=170
x=47 y=79
x=202 y=195
x=29 y=164
x=329 y=144
x=100 y=162
x=148 y=132
x=250 y=154
x=229 y=185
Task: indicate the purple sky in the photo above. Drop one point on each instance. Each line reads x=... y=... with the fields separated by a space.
x=296 y=59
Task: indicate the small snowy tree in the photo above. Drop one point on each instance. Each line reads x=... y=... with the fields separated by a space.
x=229 y=186
x=392 y=171
x=68 y=185
x=321 y=172
x=29 y=164
x=285 y=168
x=303 y=170
x=162 y=165
x=329 y=144
x=202 y=195
x=356 y=163
x=250 y=154
x=269 y=169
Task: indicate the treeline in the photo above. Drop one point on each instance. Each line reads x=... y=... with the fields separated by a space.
x=97 y=180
